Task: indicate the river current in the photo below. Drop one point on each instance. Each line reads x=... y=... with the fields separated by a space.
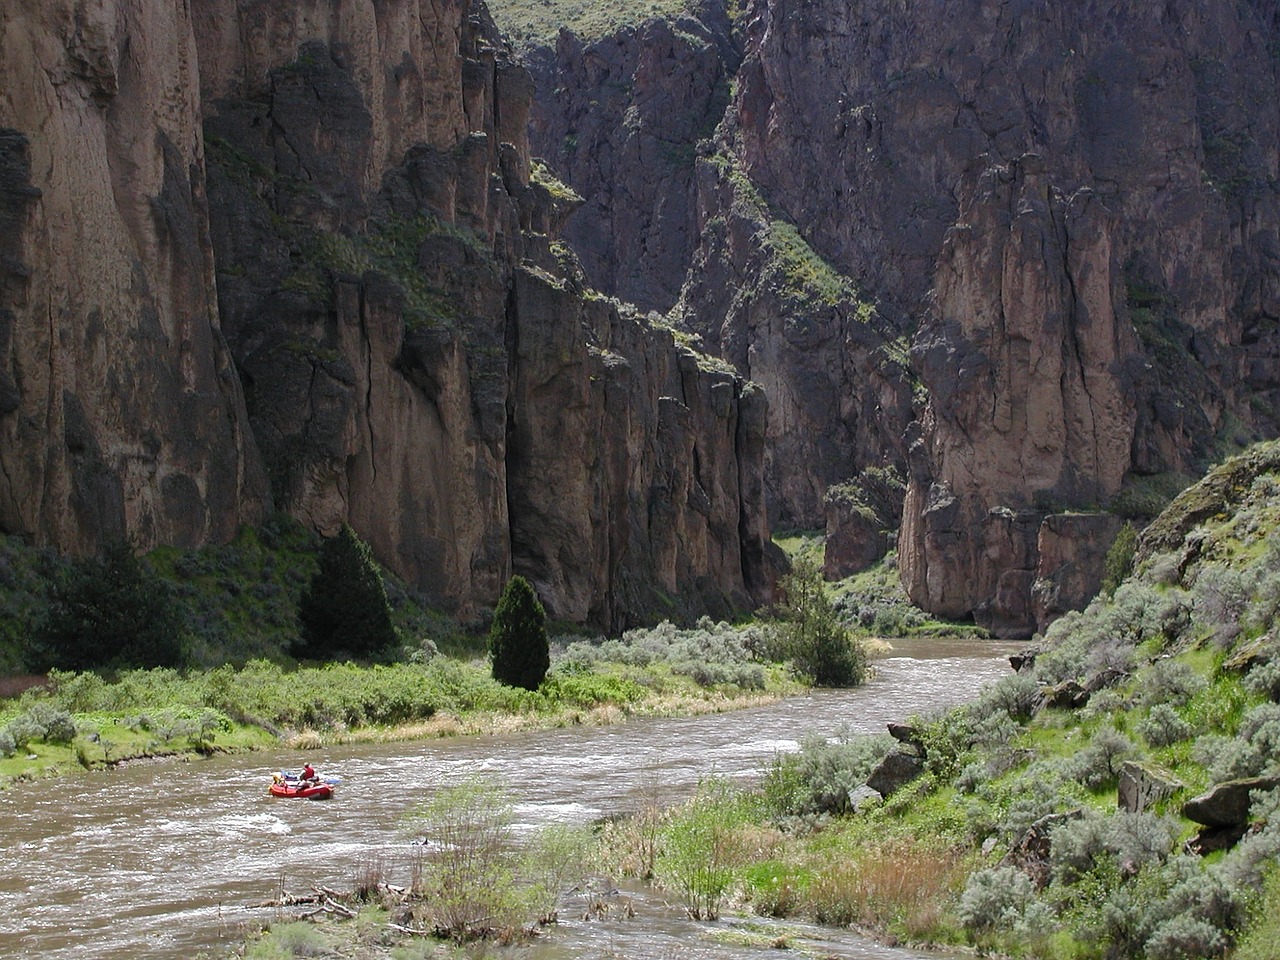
x=168 y=860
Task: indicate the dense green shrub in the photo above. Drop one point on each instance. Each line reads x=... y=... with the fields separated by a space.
x=345 y=610
x=697 y=848
x=1185 y=938
x=1169 y=682
x=109 y=611
x=995 y=898
x=709 y=652
x=1251 y=752
x=807 y=632
x=1264 y=679
x=1103 y=636
x=1017 y=696
x=40 y=721
x=1119 y=561
x=1098 y=764
x=518 y=647
x=470 y=876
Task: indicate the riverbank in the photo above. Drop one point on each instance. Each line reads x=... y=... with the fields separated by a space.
x=80 y=721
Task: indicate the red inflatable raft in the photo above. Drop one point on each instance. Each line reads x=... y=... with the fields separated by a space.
x=300 y=789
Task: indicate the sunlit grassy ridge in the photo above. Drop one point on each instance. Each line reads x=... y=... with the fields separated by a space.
x=539 y=21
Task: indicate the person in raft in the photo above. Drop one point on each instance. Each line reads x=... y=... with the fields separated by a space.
x=309 y=774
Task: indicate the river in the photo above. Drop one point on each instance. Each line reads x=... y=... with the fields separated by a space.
x=166 y=860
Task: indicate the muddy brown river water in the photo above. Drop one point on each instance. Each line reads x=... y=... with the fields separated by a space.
x=165 y=861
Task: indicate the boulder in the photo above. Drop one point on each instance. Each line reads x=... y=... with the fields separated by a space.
x=1069 y=694
x=863 y=798
x=894 y=772
x=907 y=734
x=1227 y=804
x=1144 y=784
x=1212 y=839
x=1252 y=654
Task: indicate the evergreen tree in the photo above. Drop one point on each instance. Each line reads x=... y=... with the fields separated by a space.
x=1119 y=562
x=808 y=632
x=345 y=610
x=110 y=611
x=518 y=644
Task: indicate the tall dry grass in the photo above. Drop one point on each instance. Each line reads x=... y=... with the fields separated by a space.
x=901 y=885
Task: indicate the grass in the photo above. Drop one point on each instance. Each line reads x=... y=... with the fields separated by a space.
x=538 y=22
x=162 y=712
x=792 y=266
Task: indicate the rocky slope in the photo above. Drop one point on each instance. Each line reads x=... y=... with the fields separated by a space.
x=1072 y=214
x=395 y=337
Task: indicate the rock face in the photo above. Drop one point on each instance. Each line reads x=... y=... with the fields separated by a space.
x=620 y=119
x=395 y=338
x=1072 y=551
x=1071 y=214
x=120 y=409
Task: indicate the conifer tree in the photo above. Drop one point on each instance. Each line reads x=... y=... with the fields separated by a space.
x=808 y=632
x=110 y=611
x=345 y=610
x=518 y=645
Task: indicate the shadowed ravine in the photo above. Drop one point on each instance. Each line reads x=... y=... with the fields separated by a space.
x=165 y=860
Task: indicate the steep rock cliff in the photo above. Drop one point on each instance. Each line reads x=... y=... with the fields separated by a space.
x=1072 y=212
x=120 y=409
x=422 y=353
x=407 y=346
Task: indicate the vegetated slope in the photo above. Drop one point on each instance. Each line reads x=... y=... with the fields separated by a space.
x=301 y=262
x=1118 y=796
x=1067 y=214
x=1139 y=738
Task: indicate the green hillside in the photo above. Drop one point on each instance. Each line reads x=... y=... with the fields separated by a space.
x=531 y=22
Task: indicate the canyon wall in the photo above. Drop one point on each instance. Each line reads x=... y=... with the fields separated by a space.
x=1068 y=214
x=291 y=256
x=120 y=409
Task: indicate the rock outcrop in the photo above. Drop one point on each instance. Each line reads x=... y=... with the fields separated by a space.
x=1071 y=214
x=396 y=339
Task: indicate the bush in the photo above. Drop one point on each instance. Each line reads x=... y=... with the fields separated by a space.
x=1099 y=763
x=518 y=647
x=808 y=632
x=8 y=745
x=1250 y=753
x=1171 y=683
x=1185 y=938
x=1264 y=679
x=1119 y=562
x=1163 y=727
x=1017 y=696
x=41 y=721
x=1104 y=635
x=698 y=848
x=822 y=776
x=995 y=898
x=345 y=609
x=112 y=612
x=710 y=653
x=469 y=881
